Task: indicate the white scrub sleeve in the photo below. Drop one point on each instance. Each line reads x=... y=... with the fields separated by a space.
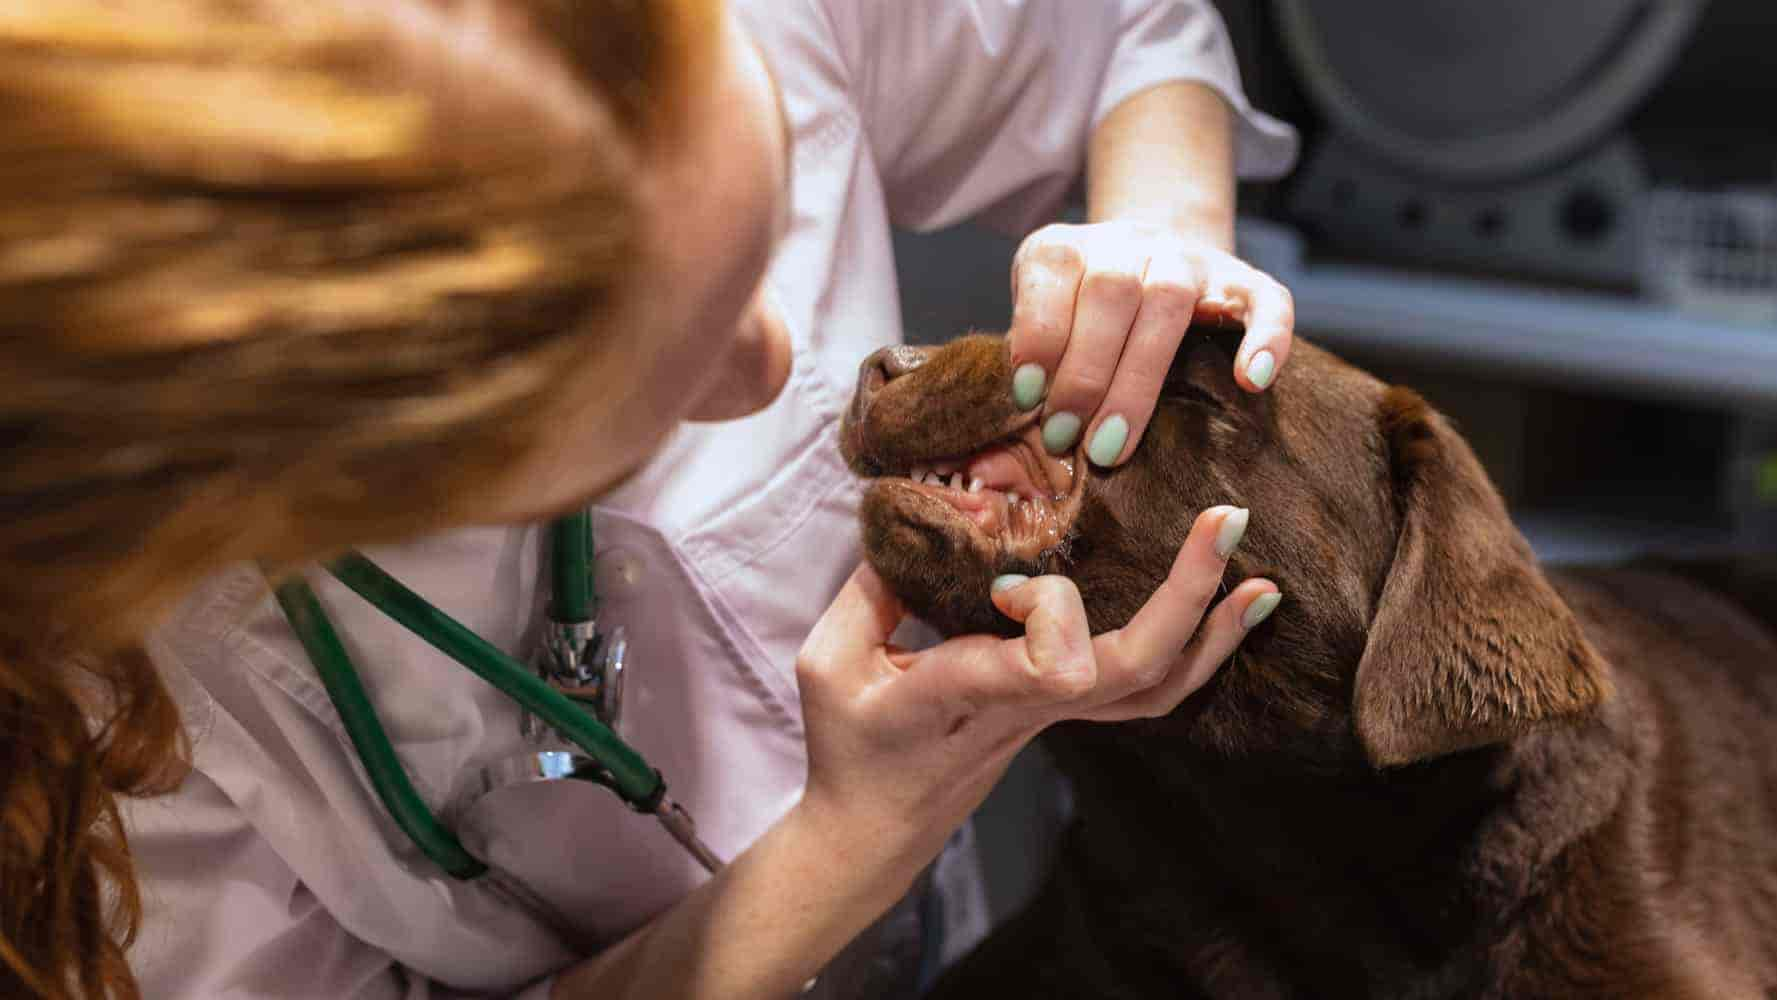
x=985 y=107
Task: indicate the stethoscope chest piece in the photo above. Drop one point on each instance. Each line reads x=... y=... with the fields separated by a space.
x=571 y=696
x=585 y=663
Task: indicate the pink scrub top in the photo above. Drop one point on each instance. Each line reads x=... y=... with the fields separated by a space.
x=275 y=872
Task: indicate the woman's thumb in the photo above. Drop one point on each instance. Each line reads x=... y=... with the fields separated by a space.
x=855 y=626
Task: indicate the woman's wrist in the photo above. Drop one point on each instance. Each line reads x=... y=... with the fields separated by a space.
x=877 y=858
x=765 y=924
x=1165 y=157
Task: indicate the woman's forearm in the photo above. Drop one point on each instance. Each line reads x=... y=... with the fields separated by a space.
x=1166 y=156
x=762 y=927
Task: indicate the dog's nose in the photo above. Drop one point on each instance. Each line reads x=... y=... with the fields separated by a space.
x=881 y=368
x=886 y=365
x=878 y=370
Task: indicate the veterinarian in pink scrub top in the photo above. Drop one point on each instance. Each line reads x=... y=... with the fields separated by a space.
x=831 y=778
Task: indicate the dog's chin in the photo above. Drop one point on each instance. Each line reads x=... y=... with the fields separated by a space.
x=939 y=533
x=939 y=563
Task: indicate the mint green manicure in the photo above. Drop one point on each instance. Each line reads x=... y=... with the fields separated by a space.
x=1027 y=385
x=1060 y=432
x=1262 y=369
x=1260 y=609
x=1008 y=581
x=1231 y=531
x=1107 y=441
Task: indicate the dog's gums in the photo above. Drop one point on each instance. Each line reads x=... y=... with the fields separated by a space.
x=961 y=489
x=1015 y=500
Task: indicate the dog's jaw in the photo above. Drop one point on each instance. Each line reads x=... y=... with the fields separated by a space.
x=961 y=488
x=940 y=535
x=1014 y=501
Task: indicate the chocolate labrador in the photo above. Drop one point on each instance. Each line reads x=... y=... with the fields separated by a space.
x=1436 y=771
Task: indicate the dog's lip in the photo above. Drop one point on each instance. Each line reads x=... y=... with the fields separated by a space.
x=1049 y=490
x=1038 y=472
x=1013 y=462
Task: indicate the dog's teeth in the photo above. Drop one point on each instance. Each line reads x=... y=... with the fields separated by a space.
x=956 y=480
x=1012 y=499
x=975 y=485
x=918 y=474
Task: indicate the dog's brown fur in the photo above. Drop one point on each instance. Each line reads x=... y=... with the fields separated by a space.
x=1436 y=772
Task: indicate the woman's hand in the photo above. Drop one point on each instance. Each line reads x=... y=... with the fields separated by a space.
x=1099 y=311
x=902 y=746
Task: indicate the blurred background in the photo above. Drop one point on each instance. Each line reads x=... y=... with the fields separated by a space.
x=1556 y=220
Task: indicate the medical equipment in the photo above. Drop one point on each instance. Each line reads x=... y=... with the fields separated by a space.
x=1519 y=137
x=571 y=697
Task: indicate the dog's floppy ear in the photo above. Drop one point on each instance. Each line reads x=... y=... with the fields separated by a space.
x=1470 y=644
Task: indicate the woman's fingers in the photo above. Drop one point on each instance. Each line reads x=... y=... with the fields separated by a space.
x=1099 y=312
x=1046 y=276
x=1169 y=292
x=1056 y=647
x=1104 y=314
x=1270 y=316
x=1057 y=669
x=1050 y=664
x=1141 y=654
x=1217 y=638
x=849 y=642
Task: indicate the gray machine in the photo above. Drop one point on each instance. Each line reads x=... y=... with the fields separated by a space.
x=1628 y=146
x=1498 y=136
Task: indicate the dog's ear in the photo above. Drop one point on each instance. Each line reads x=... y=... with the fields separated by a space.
x=1470 y=645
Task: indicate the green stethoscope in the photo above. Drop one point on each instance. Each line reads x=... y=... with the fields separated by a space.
x=573 y=693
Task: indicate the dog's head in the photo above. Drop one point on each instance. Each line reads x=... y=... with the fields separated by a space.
x=1416 y=621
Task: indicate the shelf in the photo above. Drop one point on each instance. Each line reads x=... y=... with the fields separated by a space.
x=1573 y=537
x=1572 y=337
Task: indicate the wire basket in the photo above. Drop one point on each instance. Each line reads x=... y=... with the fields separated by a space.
x=1713 y=253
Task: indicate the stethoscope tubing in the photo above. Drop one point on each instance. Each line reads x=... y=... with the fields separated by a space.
x=570 y=558
x=387 y=777
x=607 y=759
x=638 y=784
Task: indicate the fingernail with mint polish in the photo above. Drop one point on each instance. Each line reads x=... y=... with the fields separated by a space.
x=1028 y=383
x=1260 y=609
x=1006 y=581
x=1262 y=369
x=1107 y=441
x=1060 y=432
x=1231 y=531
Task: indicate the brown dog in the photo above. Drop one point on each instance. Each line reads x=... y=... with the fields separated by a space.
x=1435 y=772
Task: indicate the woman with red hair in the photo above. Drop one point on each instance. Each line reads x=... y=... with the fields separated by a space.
x=279 y=279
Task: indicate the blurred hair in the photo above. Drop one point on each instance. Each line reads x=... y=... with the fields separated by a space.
x=277 y=277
